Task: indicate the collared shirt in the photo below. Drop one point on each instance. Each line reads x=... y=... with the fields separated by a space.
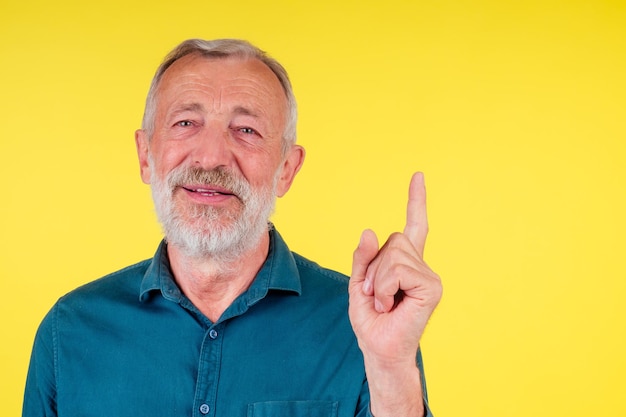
x=132 y=344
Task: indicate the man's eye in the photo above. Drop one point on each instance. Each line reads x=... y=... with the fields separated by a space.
x=184 y=123
x=247 y=130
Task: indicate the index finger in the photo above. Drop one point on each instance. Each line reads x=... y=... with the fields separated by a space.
x=416 y=227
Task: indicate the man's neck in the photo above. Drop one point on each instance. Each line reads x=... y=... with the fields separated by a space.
x=212 y=285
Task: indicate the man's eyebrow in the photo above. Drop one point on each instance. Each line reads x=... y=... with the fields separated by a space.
x=188 y=107
x=244 y=111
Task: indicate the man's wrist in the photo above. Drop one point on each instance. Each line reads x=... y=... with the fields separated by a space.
x=395 y=391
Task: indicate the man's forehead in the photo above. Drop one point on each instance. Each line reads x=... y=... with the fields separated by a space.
x=221 y=68
x=222 y=75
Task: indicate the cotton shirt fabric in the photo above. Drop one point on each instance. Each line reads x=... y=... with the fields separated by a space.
x=132 y=344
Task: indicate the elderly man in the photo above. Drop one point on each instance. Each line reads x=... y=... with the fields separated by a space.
x=225 y=320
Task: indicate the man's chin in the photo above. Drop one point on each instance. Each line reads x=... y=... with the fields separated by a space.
x=217 y=241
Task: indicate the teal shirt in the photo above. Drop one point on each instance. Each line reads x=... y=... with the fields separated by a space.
x=131 y=344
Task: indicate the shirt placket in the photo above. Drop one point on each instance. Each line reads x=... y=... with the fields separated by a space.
x=209 y=367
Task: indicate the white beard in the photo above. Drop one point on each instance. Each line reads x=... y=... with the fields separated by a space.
x=201 y=231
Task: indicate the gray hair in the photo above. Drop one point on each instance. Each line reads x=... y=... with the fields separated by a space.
x=224 y=48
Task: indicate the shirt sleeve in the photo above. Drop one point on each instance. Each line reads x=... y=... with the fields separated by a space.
x=420 y=366
x=40 y=391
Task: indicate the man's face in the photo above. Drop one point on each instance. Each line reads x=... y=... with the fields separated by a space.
x=214 y=161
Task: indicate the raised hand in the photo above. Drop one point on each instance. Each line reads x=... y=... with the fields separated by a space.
x=392 y=295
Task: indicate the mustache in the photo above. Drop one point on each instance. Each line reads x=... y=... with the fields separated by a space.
x=217 y=177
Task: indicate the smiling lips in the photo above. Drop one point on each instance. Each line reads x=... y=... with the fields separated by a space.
x=208 y=192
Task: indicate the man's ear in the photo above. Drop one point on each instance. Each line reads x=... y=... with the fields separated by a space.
x=290 y=167
x=141 y=142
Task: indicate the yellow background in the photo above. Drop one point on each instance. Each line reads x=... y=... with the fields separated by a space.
x=514 y=110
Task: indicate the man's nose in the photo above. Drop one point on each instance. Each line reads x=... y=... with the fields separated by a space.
x=213 y=148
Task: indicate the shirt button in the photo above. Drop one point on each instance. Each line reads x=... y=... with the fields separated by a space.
x=213 y=334
x=204 y=409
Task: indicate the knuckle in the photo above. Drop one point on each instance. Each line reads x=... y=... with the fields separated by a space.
x=399 y=270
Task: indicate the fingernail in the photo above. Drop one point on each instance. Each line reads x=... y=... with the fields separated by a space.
x=378 y=306
x=367 y=287
x=361 y=239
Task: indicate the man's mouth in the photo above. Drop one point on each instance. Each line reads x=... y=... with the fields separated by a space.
x=208 y=192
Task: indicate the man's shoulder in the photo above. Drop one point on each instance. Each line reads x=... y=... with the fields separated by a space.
x=312 y=271
x=122 y=283
x=100 y=301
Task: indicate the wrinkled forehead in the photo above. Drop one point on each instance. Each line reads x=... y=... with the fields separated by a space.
x=219 y=73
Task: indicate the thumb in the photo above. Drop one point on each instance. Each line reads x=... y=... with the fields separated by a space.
x=364 y=254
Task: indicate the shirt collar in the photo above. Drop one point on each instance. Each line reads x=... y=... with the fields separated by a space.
x=279 y=272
